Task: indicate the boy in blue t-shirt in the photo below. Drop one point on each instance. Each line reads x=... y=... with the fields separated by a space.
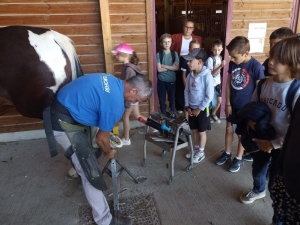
x=244 y=72
x=166 y=68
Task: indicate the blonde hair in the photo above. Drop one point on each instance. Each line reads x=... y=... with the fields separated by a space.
x=164 y=36
x=194 y=41
x=287 y=52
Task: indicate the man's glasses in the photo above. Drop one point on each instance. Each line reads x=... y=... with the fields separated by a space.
x=188 y=28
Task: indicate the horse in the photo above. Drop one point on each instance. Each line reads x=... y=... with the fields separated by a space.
x=35 y=63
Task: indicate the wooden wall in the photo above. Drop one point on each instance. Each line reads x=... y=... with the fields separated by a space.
x=276 y=13
x=81 y=21
x=128 y=24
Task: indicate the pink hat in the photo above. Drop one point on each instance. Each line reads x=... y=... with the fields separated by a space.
x=124 y=48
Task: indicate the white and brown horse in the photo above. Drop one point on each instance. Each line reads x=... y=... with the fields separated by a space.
x=34 y=64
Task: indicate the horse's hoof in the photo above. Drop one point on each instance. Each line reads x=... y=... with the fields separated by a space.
x=115 y=141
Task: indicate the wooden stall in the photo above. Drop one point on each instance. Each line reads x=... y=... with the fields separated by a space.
x=82 y=22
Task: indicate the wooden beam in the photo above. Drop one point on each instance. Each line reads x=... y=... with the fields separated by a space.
x=295 y=15
x=106 y=33
x=151 y=40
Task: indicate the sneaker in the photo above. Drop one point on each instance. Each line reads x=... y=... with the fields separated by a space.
x=223 y=158
x=188 y=155
x=235 y=165
x=126 y=142
x=172 y=115
x=198 y=156
x=248 y=158
x=180 y=111
x=215 y=118
x=211 y=120
x=121 y=221
x=251 y=196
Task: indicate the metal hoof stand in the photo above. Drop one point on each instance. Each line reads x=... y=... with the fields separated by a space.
x=172 y=137
x=113 y=173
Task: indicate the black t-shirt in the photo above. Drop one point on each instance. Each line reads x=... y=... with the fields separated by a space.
x=291 y=155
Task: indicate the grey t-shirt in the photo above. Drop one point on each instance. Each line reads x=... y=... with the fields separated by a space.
x=168 y=76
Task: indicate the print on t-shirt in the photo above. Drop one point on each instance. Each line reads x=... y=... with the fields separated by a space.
x=240 y=78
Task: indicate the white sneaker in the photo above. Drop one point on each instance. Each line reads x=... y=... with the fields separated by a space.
x=188 y=155
x=126 y=142
x=251 y=196
x=198 y=156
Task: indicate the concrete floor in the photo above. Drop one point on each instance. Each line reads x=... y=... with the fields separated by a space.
x=34 y=188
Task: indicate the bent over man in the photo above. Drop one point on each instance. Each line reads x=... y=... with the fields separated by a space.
x=95 y=100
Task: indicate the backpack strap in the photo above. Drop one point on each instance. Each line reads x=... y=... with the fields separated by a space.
x=173 y=56
x=289 y=98
x=258 y=88
x=161 y=56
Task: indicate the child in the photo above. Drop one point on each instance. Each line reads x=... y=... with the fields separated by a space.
x=243 y=74
x=215 y=64
x=167 y=64
x=126 y=55
x=198 y=93
x=276 y=36
x=184 y=67
x=284 y=65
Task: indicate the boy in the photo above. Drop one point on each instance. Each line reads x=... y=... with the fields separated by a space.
x=198 y=93
x=243 y=74
x=276 y=36
x=279 y=92
x=215 y=64
x=167 y=64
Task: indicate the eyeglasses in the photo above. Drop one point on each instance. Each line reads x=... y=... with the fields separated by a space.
x=188 y=27
x=167 y=42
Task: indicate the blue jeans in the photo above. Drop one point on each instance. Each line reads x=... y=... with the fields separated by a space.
x=164 y=88
x=263 y=161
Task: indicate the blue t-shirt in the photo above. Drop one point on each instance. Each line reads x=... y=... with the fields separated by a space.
x=94 y=100
x=243 y=81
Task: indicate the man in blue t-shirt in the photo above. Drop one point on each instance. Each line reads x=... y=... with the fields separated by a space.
x=94 y=100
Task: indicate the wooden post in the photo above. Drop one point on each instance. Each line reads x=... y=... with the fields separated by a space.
x=151 y=46
x=107 y=43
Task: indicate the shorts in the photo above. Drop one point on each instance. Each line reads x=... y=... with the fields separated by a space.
x=218 y=90
x=200 y=123
x=233 y=113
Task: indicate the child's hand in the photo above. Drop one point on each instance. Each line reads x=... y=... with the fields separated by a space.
x=196 y=112
x=252 y=124
x=223 y=63
x=189 y=111
x=264 y=145
x=228 y=110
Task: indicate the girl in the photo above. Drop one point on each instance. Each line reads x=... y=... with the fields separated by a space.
x=126 y=55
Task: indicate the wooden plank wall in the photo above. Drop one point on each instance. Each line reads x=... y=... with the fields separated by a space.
x=129 y=25
x=276 y=13
x=78 y=19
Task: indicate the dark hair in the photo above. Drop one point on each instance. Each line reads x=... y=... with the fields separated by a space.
x=142 y=84
x=217 y=42
x=134 y=59
x=189 y=20
x=240 y=44
x=281 y=33
x=287 y=52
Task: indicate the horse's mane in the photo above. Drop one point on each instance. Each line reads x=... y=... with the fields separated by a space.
x=66 y=44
